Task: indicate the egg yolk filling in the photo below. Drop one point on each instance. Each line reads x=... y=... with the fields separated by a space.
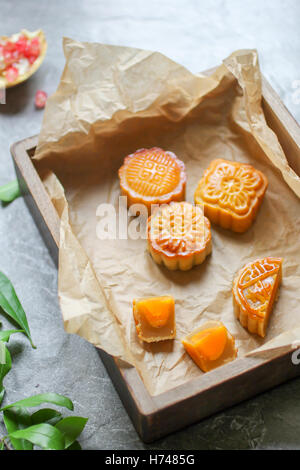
x=209 y=344
x=156 y=311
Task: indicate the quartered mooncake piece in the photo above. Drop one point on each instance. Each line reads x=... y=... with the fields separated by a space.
x=210 y=346
x=152 y=176
x=179 y=236
x=231 y=193
x=154 y=318
x=255 y=288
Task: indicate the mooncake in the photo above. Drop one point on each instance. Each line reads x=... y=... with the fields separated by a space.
x=210 y=346
x=154 y=318
x=179 y=235
x=255 y=288
x=231 y=193
x=152 y=176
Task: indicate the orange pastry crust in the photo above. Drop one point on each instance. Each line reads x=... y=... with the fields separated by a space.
x=255 y=288
x=210 y=346
x=231 y=193
x=152 y=176
x=154 y=318
x=179 y=236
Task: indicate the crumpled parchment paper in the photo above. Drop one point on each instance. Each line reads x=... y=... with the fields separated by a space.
x=113 y=100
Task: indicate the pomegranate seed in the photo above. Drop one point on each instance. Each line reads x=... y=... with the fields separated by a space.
x=40 y=99
x=8 y=57
x=21 y=44
x=31 y=59
x=15 y=55
x=9 y=46
x=11 y=74
x=32 y=48
x=35 y=41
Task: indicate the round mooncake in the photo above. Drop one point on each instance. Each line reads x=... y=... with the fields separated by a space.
x=152 y=176
x=179 y=235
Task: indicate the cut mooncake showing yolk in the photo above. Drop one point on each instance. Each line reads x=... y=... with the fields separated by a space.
x=210 y=346
x=255 y=289
x=210 y=343
x=179 y=236
x=155 y=318
x=152 y=176
x=231 y=193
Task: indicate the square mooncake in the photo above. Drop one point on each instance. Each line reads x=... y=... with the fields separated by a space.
x=154 y=318
x=231 y=193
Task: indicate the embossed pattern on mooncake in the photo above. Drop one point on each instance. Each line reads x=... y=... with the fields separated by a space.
x=152 y=176
x=231 y=193
x=254 y=292
x=179 y=236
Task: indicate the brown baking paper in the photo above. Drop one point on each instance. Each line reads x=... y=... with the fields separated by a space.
x=113 y=100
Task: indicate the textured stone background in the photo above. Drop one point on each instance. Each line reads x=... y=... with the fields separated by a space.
x=198 y=34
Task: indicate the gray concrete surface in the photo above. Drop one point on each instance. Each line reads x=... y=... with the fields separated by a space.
x=199 y=34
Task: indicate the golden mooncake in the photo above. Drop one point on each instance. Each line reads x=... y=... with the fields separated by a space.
x=210 y=346
x=179 y=235
x=152 y=176
x=231 y=193
x=255 y=288
x=154 y=318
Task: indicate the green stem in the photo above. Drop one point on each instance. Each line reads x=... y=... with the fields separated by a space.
x=8 y=447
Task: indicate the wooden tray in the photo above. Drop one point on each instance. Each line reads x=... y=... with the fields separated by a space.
x=154 y=417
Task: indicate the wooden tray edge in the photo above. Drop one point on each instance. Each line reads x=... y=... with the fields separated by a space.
x=145 y=411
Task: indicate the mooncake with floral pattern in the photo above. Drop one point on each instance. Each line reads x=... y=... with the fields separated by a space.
x=231 y=193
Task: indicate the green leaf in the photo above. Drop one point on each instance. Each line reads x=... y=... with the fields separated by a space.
x=1 y=445
x=10 y=191
x=36 y=400
x=43 y=435
x=12 y=306
x=2 y=353
x=15 y=419
x=2 y=393
x=71 y=427
x=75 y=446
x=45 y=415
x=5 y=364
x=5 y=335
